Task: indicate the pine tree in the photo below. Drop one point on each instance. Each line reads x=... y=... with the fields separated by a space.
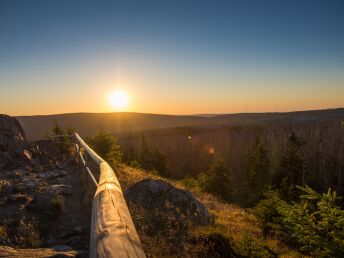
x=160 y=163
x=105 y=145
x=153 y=160
x=146 y=157
x=316 y=223
x=218 y=180
x=59 y=138
x=257 y=173
x=292 y=168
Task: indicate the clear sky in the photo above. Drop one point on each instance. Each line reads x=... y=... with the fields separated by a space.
x=174 y=57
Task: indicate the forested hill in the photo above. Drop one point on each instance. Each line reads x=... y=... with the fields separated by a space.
x=36 y=127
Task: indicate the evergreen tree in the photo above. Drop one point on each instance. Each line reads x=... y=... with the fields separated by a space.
x=257 y=173
x=129 y=155
x=146 y=157
x=218 y=180
x=57 y=130
x=316 y=223
x=153 y=160
x=105 y=145
x=160 y=163
x=59 y=138
x=291 y=170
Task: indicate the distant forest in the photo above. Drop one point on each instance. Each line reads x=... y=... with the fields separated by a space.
x=259 y=156
x=258 y=150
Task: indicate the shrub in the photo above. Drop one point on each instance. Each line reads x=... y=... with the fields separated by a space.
x=253 y=247
x=190 y=182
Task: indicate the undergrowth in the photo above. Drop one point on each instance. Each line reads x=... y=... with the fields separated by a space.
x=236 y=232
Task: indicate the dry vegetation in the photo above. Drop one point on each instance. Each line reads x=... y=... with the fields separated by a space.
x=234 y=228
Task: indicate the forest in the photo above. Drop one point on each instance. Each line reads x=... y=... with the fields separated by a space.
x=288 y=176
x=258 y=156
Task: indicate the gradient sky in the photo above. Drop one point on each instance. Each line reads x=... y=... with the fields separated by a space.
x=173 y=57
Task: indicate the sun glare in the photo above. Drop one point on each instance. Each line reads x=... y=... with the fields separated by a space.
x=119 y=99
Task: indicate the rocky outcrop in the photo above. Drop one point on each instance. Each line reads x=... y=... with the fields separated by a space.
x=12 y=141
x=15 y=151
x=40 y=198
x=163 y=197
x=12 y=135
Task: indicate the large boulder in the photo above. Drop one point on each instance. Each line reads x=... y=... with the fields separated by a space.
x=12 y=141
x=158 y=195
x=12 y=135
x=15 y=151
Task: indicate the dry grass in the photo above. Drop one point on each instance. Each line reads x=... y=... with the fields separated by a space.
x=27 y=235
x=4 y=239
x=231 y=221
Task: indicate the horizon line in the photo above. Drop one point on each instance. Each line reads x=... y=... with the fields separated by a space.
x=204 y=114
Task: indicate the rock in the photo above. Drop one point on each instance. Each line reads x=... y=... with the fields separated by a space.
x=57 y=174
x=33 y=161
x=62 y=248
x=17 y=174
x=18 y=199
x=6 y=160
x=12 y=141
x=3 y=200
x=162 y=196
x=62 y=189
x=28 y=185
x=12 y=135
x=77 y=231
x=5 y=187
x=40 y=202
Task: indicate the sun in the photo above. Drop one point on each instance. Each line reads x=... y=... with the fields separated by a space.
x=119 y=99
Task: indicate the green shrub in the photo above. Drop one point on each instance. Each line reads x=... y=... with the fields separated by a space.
x=190 y=182
x=253 y=247
x=134 y=164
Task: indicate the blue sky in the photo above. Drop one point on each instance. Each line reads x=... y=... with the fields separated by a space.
x=176 y=57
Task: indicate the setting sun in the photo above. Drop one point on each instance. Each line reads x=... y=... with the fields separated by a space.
x=119 y=99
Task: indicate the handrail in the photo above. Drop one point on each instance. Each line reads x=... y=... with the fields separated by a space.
x=113 y=233
x=96 y=158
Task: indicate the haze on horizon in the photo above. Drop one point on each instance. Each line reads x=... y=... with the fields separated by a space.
x=171 y=57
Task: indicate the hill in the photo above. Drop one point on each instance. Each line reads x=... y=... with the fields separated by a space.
x=87 y=124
